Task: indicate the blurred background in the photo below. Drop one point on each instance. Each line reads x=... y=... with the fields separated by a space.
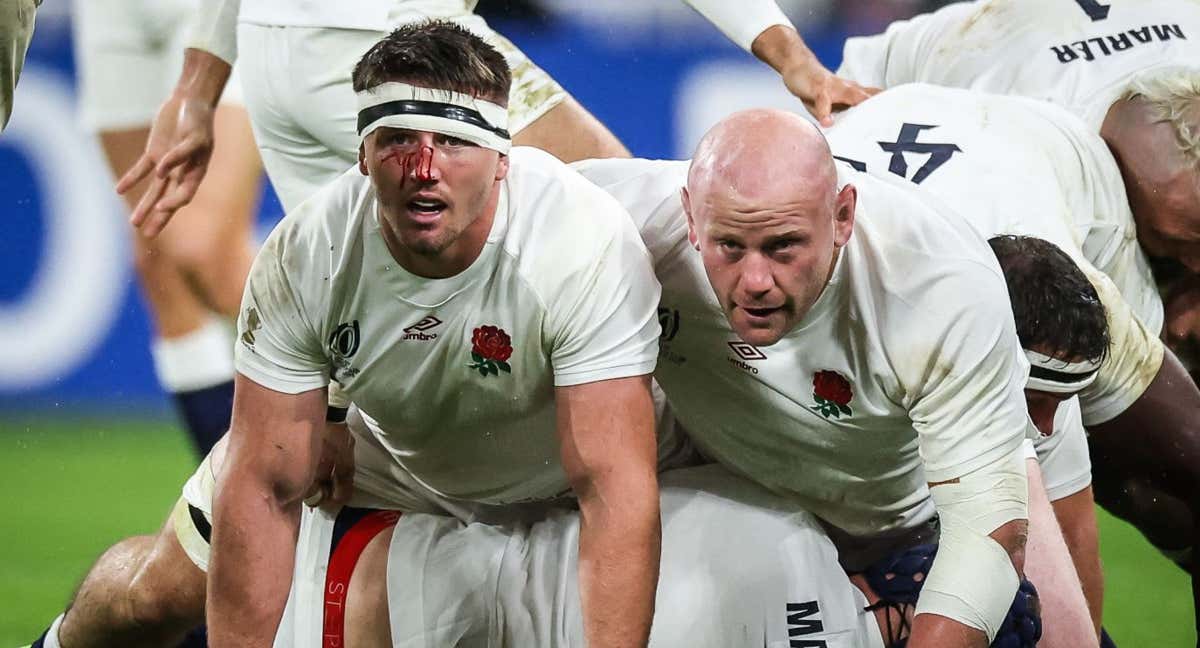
x=90 y=451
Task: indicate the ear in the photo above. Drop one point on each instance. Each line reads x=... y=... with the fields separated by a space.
x=502 y=168
x=843 y=215
x=693 y=236
x=362 y=159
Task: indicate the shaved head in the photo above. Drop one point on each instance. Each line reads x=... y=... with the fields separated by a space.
x=765 y=212
x=764 y=156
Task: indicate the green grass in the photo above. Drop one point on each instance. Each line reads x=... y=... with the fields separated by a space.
x=70 y=488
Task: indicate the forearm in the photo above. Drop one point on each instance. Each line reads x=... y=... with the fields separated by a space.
x=619 y=544
x=203 y=77
x=781 y=47
x=254 y=534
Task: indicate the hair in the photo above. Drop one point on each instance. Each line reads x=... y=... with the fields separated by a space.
x=1172 y=95
x=436 y=54
x=1056 y=308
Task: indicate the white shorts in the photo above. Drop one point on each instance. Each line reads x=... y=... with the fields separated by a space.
x=1063 y=456
x=739 y=568
x=128 y=54
x=381 y=483
x=302 y=104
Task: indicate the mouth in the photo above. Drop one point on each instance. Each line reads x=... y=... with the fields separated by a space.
x=425 y=210
x=760 y=313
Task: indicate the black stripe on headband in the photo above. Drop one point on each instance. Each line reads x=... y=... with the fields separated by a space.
x=1063 y=377
x=367 y=116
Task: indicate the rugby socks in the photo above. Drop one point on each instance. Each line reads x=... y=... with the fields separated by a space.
x=1105 y=640
x=197 y=369
x=197 y=638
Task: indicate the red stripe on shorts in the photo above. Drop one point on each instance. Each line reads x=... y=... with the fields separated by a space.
x=341 y=566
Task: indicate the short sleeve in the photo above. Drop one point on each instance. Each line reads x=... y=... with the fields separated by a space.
x=1134 y=357
x=603 y=321
x=278 y=346
x=1063 y=456
x=969 y=402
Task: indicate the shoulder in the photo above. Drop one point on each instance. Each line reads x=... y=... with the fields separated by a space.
x=317 y=234
x=559 y=223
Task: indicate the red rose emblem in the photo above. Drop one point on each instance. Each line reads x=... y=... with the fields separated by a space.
x=832 y=393
x=832 y=387
x=490 y=350
x=492 y=343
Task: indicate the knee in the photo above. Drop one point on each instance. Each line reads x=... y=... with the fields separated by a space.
x=162 y=602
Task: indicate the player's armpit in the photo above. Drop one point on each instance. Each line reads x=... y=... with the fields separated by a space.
x=606 y=434
x=274 y=445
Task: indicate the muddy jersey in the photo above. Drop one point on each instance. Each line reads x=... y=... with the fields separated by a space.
x=456 y=377
x=906 y=370
x=1080 y=54
x=1012 y=165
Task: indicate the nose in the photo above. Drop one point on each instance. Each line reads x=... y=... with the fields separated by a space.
x=419 y=165
x=756 y=278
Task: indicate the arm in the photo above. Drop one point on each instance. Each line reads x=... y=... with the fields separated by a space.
x=1076 y=515
x=759 y=27
x=980 y=557
x=606 y=431
x=274 y=444
x=180 y=143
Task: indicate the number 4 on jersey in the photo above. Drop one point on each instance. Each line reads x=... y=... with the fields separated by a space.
x=907 y=142
x=1093 y=9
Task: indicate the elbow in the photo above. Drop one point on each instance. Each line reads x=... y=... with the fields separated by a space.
x=1012 y=536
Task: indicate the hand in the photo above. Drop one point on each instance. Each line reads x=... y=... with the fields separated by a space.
x=821 y=91
x=177 y=151
x=335 y=472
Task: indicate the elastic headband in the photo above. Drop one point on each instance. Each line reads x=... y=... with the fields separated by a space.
x=400 y=105
x=1059 y=376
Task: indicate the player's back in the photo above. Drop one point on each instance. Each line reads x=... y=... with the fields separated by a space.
x=1080 y=54
x=1008 y=165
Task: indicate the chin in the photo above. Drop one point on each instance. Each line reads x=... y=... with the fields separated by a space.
x=759 y=337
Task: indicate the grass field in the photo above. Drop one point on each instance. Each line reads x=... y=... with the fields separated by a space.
x=71 y=487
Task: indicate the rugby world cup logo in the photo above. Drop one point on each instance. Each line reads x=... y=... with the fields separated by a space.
x=343 y=343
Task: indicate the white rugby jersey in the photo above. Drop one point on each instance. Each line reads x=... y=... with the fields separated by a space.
x=376 y=15
x=907 y=369
x=456 y=376
x=1011 y=165
x=1080 y=54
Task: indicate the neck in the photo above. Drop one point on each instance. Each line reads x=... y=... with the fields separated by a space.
x=450 y=260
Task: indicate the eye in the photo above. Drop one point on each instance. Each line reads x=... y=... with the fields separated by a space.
x=449 y=140
x=729 y=246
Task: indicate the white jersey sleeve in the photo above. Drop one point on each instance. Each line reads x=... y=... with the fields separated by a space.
x=1063 y=456
x=966 y=380
x=278 y=345
x=741 y=22
x=898 y=55
x=214 y=28
x=601 y=306
x=1134 y=356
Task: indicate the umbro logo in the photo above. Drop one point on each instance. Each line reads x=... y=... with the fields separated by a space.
x=417 y=331
x=745 y=352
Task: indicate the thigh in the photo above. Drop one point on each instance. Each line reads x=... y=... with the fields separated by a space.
x=124 y=59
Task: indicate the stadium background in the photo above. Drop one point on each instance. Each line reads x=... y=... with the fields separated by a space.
x=89 y=449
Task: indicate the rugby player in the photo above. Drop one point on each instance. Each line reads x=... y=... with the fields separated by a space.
x=16 y=30
x=846 y=342
x=305 y=126
x=128 y=53
x=1129 y=69
x=491 y=312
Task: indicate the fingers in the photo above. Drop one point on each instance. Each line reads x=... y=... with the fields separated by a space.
x=136 y=174
x=146 y=205
x=823 y=108
x=343 y=474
